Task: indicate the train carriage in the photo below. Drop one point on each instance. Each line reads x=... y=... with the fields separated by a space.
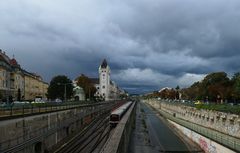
x=117 y=114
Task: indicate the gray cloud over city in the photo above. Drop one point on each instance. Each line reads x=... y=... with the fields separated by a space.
x=149 y=44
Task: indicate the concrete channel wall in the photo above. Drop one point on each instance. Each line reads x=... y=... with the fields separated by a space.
x=209 y=139
x=39 y=133
x=205 y=143
x=120 y=139
x=223 y=122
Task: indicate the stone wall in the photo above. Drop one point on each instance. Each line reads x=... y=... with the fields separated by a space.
x=41 y=132
x=222 y=122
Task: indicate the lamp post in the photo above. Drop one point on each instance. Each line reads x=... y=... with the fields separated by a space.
x=65 y=90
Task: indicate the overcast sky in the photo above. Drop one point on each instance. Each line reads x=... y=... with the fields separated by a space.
x=149 y=44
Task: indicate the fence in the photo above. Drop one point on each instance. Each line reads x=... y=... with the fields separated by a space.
x=30 y=109
x=226 y=140
x=35 y=135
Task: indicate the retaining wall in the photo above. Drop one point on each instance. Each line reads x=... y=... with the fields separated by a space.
x=223 y=122
x=120 y=140
x=206 y=144
x=205 y=136
x=38 y=133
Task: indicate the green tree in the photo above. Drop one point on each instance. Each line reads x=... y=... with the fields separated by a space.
x=217 y=85
x=57 y=85
x=88 y=87
x=177 y=92
x=236 y=86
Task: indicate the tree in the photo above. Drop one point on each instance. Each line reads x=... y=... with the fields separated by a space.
x=88 y=87
x=236 y=86
x=57 y=85
x=216 y=85
x=177 y=92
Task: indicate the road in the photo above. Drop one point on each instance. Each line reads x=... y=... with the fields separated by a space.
x=153 y=135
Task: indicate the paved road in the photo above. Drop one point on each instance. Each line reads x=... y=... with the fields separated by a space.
x=152 y=135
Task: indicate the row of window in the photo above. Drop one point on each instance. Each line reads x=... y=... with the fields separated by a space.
x=102 y=87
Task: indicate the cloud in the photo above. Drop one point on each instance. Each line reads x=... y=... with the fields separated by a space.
x=188 y=79
x=157 y=42
x=143 y=80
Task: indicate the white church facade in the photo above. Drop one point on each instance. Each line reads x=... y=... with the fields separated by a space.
x=106 y=88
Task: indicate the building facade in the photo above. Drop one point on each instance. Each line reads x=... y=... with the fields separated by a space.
x=104 y=80
x=107 y=89
x=79 y=94
x=34 y=86
x=19 y=84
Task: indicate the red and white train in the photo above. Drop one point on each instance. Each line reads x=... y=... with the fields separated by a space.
x=117 y=114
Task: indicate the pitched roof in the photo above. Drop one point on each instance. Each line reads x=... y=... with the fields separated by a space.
x=14 y=63
x=104 y=64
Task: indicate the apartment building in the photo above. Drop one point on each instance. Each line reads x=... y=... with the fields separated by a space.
x=17 y=83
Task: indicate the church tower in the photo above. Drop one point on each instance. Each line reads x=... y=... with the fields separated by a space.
x=104 y=80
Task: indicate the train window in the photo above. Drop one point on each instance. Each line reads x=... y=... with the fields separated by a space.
x=114 y=118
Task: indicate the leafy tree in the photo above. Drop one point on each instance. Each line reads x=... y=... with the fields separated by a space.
x=236 y=86
x=88 y=87
x=177 y=92
x=168 y=94
x=57 y=85
x=214 y=87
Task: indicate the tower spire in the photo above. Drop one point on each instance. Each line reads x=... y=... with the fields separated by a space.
x=104 y=64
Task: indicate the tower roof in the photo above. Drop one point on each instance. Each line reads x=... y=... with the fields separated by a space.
x=14 y=62
x=104 y=64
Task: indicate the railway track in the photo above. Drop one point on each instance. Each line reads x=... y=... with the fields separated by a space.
x=90 y=138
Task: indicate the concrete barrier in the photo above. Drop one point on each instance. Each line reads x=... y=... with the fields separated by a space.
x=205 y=137
x=206 y=144
x=120 y=139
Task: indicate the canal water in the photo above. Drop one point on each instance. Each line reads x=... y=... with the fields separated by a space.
x=153 y=135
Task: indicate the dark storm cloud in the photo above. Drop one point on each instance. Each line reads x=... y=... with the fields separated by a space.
x=149 y=44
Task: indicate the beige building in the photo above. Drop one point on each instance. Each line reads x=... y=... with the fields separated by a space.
x=19 y=84
x=35 y=87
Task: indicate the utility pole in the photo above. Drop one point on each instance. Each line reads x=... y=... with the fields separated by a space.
x=65 y=90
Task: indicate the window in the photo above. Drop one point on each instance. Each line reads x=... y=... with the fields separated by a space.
x=103 y=87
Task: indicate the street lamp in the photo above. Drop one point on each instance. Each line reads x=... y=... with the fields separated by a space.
x=65 y=90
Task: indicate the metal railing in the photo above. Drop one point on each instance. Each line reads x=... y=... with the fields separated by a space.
x=224 y=139
x=30 y=109
x=35 y=135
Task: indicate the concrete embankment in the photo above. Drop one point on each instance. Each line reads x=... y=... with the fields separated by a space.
x=119 y=141
x=209 y=139
x=40 y=133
